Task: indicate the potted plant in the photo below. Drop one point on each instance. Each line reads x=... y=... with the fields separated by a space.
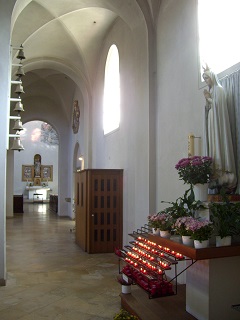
x=186 y=205
x=201 y=232
x=153 y=223
x=126 y=284
x=225 y=218
x=183 y=228
x=165 y=221
x=124 y=315
x=196 y=171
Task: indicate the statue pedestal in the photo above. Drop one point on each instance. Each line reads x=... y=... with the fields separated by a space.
x=212 y=282
x=212 y=287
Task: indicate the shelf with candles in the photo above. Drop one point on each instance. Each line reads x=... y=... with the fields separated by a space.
x=155 y=284
x=153 y=247
x=157 y=258
x=146 y=263
x=141 y=259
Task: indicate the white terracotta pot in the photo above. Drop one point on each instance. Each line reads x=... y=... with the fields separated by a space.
x=156 y=232
x=176 y=238
x=126 y=289
x=222 y=242
x=201 y=192
x=187 y=241
x=165 y=234
x=200 y=245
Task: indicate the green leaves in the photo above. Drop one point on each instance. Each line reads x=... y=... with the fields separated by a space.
x=185 y=205
x=225 y=216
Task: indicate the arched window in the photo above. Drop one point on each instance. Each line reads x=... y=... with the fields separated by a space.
x=111 y=99
x=219 y=26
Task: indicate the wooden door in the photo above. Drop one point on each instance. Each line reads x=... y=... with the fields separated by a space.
x=104 y=210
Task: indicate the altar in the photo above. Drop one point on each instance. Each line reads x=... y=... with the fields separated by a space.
x=43 y=191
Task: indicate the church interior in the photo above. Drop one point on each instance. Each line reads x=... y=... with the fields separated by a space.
x=100 y=101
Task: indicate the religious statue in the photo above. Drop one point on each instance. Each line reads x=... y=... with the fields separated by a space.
x=218 y=138
x=76 y=116
x=37 y=165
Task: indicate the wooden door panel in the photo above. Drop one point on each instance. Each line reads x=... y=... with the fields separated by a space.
x=105 y=215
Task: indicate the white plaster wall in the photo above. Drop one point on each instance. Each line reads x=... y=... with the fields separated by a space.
x=78 y=146
x=180 y=102
x=126 y=148
x=10 y=183
x=5 y=14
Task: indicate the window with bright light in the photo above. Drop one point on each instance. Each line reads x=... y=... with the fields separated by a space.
x=111 y=99
x=219 y=26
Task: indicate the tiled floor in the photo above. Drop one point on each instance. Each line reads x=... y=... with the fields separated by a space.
x=50 y=277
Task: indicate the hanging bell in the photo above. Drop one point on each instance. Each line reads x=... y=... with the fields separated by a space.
x=20 y=72
x=21 y=53
x=18 y=107
x=18 y=125
x=17 y=145
x=19 y=89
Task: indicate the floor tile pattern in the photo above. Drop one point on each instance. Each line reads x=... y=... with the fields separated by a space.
x=50 y=277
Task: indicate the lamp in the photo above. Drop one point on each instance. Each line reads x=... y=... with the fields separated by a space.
x=82 y=162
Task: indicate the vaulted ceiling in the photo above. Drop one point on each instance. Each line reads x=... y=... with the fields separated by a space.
x=62 y=41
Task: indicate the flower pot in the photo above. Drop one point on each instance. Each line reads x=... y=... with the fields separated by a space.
x=187 y=241
x=126 y=289
x=176 y=238
x=222 y=242
x=201 y=192
x=165 y=234
x=156 y=232
x=199 y=245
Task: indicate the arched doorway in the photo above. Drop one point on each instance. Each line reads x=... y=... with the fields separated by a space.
x=40 y=142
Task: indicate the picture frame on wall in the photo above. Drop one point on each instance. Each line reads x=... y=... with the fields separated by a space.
x=47 y=173
x=37 y=182
x=27 y=172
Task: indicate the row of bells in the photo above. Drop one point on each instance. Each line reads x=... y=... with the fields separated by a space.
x=17 y=145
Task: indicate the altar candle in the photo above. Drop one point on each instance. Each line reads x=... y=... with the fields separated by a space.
x=191 y=145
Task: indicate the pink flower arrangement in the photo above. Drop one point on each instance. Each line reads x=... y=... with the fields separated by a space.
x=197 y=229
x=182 y=225
x=196 y=169
x=161 y=220
x=201 y=230
x=153 y=221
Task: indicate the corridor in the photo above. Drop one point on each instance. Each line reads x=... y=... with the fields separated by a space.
x=50 y=277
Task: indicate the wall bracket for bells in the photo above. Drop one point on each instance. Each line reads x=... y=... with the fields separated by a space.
x=191 y=144
x=17 y=145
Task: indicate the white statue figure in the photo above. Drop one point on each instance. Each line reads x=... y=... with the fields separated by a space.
x=218 y=138
x=37 y=165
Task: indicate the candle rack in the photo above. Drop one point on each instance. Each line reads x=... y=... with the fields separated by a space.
x=146 y=263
